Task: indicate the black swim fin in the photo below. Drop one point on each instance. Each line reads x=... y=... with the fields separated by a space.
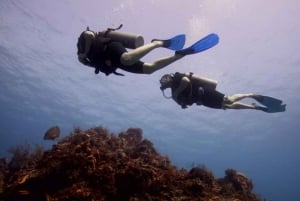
x=271 y=104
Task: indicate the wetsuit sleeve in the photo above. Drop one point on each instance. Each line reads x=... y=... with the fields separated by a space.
x=183 y=84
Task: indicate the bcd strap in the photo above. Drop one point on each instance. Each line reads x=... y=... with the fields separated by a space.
x=112 y=29
x=97 y=70
x=106 y=72
x=119 y=74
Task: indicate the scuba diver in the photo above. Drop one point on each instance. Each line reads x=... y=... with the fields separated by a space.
x=106 y=51
x=188 y=89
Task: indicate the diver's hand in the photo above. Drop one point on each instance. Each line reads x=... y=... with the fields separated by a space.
x=97 y=70
x=183 y=106
x=84 y=61
x=81 y=56
x=108 y=62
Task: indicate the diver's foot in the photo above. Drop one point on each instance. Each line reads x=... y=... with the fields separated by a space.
x=165 y=43
x=258 y=98
x=257 y=107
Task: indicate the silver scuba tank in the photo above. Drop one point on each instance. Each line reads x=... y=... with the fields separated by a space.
x=206 y=82
x=129 y=40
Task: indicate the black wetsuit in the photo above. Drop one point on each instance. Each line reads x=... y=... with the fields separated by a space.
x=195 y=93
x=110 y=50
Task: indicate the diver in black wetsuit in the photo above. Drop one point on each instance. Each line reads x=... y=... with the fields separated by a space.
x=188 y=89
x=106 y=51
x=106 y=55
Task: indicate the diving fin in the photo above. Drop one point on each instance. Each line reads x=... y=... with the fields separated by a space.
x=175 y=43
x=271 y=104
x=278 y=108
x=268 y=101
x=201 y=45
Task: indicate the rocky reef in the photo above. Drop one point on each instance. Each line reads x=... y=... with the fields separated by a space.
x=97 y=165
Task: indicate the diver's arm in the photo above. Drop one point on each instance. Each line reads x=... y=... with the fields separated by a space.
x=182 y=85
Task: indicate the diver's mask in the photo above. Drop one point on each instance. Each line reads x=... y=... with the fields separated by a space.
x=166 y=82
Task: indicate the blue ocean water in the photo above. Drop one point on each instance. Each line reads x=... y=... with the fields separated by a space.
x=42 y=84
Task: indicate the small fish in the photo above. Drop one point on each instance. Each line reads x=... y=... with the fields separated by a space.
x=52 y=133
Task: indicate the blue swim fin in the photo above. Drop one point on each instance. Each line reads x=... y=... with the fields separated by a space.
x=175 y=43
x=203 y=44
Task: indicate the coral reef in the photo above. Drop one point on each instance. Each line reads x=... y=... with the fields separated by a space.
x=97 y=165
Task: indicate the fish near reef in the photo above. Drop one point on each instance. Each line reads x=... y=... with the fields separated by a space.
x=52 y=133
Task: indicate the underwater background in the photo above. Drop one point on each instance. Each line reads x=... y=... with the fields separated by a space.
x=42 y=83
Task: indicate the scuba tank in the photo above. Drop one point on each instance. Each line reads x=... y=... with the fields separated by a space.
x=129 y=40
x=205 y=82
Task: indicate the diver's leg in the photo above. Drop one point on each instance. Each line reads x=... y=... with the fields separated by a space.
x=239 y=105
x=129 y=58
x=237 y=97
x=149 y=68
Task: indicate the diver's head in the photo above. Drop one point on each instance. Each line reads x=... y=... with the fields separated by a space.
x=166 y=81
x=81 y=43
